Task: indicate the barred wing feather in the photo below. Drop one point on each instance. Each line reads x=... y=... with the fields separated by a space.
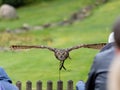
x=93 y=46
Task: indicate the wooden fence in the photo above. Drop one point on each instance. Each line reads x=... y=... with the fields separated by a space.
x=49 y=85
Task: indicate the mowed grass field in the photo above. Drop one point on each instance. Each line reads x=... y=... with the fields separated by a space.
x=38 y=64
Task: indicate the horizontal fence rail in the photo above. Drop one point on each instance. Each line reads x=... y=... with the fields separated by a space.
x=49 y=85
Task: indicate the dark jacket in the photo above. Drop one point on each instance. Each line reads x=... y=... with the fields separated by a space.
x=98 y=74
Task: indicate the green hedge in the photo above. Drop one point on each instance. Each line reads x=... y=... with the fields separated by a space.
x=15 y=3
x=28 y=1
x=0 y=2
x=18 y=3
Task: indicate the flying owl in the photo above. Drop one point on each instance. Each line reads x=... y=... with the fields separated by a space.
x=61 y=54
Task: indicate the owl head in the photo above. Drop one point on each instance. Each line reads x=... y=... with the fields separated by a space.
x=61 y=54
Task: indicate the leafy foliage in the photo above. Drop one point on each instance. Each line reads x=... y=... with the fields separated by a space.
x=18 y=3
x=15 y=3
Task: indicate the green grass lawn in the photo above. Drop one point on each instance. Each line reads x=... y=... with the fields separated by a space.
x=40 y=64
x=45 y=12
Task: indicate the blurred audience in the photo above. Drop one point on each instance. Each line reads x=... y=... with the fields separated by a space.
x=97 y=77
x=5 y=81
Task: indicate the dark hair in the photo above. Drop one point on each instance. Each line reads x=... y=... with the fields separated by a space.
x=116 y=30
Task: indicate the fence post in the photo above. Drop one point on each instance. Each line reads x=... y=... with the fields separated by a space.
x=70 y=85
x=60 y=85
x=49 y=85
x=39 y=85
x=28 y=85
x=19 y=85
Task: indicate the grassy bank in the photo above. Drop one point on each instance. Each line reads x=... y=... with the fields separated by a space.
x=41 y=64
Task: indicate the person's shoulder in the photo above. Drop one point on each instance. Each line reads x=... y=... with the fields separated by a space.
x=106 y=54
x=104 y=58
x=107 y=46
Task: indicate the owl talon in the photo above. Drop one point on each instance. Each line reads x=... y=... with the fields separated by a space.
x=62 y=67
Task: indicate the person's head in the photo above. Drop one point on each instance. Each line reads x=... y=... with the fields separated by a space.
x=116 y=30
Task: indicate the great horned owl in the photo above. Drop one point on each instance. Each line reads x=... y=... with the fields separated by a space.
x=61 y=54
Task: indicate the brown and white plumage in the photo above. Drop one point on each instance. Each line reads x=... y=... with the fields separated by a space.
x=61 y=54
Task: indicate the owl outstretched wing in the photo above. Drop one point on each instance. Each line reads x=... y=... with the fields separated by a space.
x=92 y=46
x=29 y=47
x=61 y=54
